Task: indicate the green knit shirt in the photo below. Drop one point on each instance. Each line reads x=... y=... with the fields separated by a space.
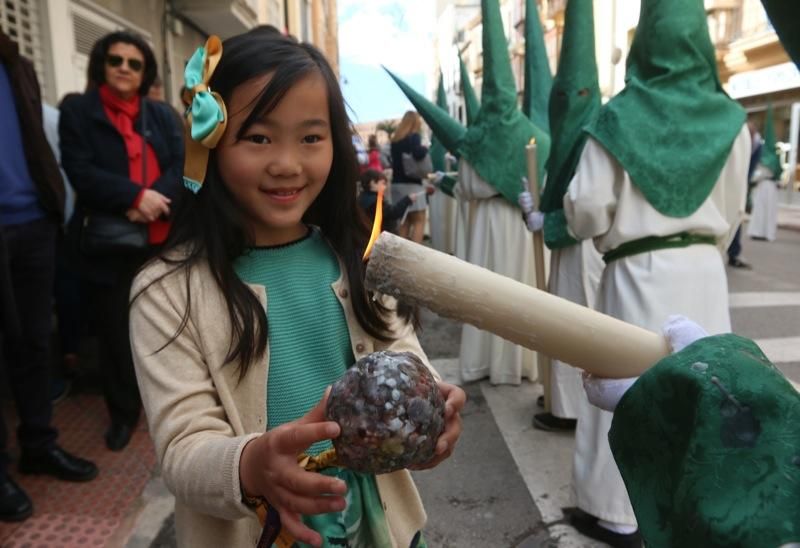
x=309 y=341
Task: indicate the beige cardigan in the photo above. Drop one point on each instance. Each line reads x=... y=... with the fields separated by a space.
x=201 y=416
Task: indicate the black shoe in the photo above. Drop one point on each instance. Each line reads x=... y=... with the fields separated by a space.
x=59 y=390
x=58 y=463
x=118 y=436
x=15 y=505
x=587 y=525
x=735 y=262
x=540 y=401
x=551 y=423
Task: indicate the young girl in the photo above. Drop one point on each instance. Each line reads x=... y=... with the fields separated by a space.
x=258 y=304
x=371 y=183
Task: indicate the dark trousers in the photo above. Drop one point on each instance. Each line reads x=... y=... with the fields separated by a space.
x=67 y=292
x=110 y=309
x=31 y=263
x=736 y=245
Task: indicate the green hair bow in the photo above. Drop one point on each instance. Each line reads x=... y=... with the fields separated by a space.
x=206 y=116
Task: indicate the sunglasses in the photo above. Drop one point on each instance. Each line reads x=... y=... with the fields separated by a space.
x=116 y=61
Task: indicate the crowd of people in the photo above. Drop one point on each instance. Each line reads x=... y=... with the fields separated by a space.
x=88 y=190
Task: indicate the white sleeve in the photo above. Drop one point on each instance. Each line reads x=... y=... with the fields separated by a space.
x=591 y=199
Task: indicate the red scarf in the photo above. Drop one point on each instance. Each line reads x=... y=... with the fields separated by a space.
x=122 y=113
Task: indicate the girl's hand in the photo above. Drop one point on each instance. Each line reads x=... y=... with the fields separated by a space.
x=268 y=468
x=454 y=402
x=153 y=205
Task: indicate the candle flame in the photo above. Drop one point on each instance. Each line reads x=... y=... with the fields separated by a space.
x=376 y=226
x=532 y=141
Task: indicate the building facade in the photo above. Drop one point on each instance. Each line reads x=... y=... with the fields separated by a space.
x=58 y=35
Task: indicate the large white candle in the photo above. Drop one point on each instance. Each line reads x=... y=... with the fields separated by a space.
x=538 y=256
x=455 y=289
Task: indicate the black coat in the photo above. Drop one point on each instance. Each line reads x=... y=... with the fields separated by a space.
x=95 y=159
x=411 y=144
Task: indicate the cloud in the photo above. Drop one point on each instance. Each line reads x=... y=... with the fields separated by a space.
x=395 y=33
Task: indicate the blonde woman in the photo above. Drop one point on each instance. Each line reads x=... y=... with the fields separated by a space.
x=406 y=140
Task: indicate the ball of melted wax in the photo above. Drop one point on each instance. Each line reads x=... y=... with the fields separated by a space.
x=390 y=411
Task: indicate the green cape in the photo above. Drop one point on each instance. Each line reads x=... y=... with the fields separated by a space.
x=673 y=126
x=447 y=130
x=471 y=103
x=574 y=101
x=437 y=150
x=538 y=79
x=708 y=443
x=769 y=156
x=495 y=144
x=785 y=17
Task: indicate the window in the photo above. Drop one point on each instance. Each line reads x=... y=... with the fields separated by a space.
x=305 y=21
x=20 y=19
x=274 y=14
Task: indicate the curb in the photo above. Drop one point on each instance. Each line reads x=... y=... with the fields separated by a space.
x=157 y=504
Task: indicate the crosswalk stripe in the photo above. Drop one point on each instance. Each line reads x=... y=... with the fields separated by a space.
x=753 y=299
x=781 y=350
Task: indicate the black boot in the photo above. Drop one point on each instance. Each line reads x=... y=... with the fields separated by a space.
x=15 y=505
x=118 y=436
x=551 y=423
x=588 y=525
x=57 y=463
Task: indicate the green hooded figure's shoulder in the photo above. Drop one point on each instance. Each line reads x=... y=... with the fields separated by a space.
x=673 y=126
x=708 y=444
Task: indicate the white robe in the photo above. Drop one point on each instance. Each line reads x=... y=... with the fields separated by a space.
x=500 y=242
x=644 y=289
x=463 y=222
x=574 y=275
x=764 y=218
x=442 y=211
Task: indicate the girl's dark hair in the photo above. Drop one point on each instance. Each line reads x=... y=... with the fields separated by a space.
x=210 y=226
x=97 y=59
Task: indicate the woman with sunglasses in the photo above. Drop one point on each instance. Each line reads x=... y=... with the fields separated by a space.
x=123 y=153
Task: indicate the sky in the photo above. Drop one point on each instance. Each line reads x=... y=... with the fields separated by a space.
x=394 y=33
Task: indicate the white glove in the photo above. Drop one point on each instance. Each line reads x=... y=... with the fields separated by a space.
x=437 y=177
x=606 y=393
x=534 y=220
x=525 y=201
x=680 y=332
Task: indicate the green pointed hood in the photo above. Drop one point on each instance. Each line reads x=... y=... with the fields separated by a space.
x=673 y=126
x=708 y=444
x=437 y=150
x=495 y=144
x=538 y=79
x=574 y=101
x=769 y=156
x=470 y=99
x=785 y=17
x=447 y=130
